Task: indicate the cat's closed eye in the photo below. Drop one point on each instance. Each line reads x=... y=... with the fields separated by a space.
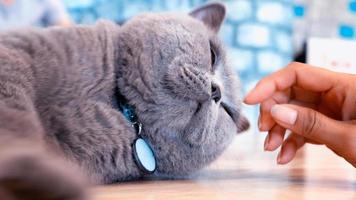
x=213 y=58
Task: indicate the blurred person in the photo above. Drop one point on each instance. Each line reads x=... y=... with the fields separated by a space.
x=317 y=105
x=24 y=13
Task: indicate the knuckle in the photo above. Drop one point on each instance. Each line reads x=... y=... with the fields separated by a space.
x=310 y=123
x=266 y=106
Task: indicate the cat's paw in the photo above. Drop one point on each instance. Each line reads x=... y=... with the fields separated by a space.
x=28 y=174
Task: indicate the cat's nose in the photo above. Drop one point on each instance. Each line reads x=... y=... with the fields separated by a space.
x=215 y=92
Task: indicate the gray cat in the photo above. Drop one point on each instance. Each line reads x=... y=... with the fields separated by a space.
x=60 y=121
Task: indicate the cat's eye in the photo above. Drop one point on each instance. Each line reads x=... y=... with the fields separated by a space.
x=213 y=57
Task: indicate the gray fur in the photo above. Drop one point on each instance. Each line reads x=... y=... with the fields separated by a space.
x=57 y=86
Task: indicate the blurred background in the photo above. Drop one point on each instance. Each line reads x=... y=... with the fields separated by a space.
x=261 y=36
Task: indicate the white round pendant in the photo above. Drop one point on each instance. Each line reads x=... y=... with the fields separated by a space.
x=144 y=156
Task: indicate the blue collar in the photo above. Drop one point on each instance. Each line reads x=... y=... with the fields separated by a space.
x=142 y=152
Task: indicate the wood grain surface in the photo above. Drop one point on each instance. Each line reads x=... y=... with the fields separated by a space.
x=245 y=171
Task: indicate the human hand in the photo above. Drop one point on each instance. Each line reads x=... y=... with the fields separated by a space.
x=317 y=105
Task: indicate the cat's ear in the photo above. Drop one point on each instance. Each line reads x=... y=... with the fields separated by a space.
x=243 y=124
x=211 y=15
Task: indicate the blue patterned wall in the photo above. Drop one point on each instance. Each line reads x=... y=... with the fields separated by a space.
x=87 y=11
x=323 y=18
x=258 y=35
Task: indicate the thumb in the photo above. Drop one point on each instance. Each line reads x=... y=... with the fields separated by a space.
x=309 y=124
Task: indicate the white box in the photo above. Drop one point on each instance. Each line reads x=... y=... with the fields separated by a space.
x=333 y=54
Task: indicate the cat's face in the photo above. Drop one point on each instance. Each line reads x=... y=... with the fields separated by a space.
x=173 y=70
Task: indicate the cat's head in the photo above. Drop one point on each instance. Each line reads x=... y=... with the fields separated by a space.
x=172 y=69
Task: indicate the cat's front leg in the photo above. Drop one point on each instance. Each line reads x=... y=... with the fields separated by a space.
x=29 y=172
x=28 y=167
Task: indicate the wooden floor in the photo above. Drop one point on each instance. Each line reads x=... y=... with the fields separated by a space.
x=246 y=172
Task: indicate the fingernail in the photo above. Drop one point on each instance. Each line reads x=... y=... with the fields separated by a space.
x=284 y=114
x=279 y=158
x=266 y=143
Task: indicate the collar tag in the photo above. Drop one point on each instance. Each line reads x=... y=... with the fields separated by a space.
x=144 y=156
x=142 y=152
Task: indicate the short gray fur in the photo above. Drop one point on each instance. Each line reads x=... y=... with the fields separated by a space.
x=57 y=100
